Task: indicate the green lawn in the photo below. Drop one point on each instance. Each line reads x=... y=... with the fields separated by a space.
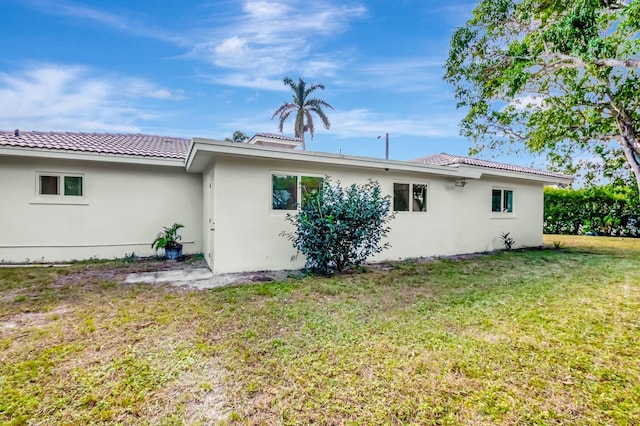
x=536 y=337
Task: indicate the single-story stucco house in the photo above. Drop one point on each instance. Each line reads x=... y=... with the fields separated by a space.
x=80 y=195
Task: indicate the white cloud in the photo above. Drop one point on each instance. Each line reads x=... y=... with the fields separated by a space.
x=363 y=122
x=265 y=9
x=320 y=68
x=249 y=81
x=265 y=41
x=54 y=97
x=139 y=88
x=270 y=39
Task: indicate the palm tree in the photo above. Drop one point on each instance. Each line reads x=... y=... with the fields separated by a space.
x=303 y=106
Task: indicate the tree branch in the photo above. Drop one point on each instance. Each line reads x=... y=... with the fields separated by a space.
x=561 y=59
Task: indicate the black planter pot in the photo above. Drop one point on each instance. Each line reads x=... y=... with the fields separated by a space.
x=174 y=252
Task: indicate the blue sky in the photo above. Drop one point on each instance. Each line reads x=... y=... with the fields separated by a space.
x=207 y=68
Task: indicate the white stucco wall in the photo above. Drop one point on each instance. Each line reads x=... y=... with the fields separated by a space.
x=123 y=208
x=459 y=220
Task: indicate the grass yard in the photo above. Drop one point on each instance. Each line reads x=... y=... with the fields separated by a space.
x=536 y=337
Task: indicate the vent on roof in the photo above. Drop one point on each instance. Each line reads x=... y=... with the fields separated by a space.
x=16 y=133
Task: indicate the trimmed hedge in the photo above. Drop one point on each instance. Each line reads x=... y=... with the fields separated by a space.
x=604 y=210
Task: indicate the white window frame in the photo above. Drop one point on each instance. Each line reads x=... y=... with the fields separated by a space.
x=59 y=198
x=298 y=176
x=503 y=211
x=411 y=184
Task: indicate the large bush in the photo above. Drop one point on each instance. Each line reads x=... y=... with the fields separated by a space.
x=340 y=227
x=605 y=210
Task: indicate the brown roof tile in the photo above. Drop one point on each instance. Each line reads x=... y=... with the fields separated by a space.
x=101 y=143
x=445 y=159
x=277 y=136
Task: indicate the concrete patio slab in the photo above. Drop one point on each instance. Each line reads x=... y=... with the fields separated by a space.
x=177 y=275
x=203 y=278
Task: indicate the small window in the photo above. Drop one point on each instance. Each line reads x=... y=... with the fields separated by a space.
x=49 y=185
x=53 y=185
x=419 y=198
x=284 y=192
x=309 y=185
x=401 y=197
x=403 y=203
x=73 y=186
x=502 y=201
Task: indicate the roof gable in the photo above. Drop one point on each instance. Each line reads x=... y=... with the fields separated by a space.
x=100 y=143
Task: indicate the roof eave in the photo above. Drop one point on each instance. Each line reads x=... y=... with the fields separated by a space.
x=543 y=179
x=89 y=156
x=201 y=148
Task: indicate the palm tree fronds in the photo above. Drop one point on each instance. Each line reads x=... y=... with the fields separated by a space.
x=304 y=107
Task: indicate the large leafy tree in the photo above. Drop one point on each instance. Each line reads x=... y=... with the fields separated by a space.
x=559 y=77
x=303 y=106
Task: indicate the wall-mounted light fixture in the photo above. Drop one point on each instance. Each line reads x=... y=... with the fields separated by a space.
x=461 y=182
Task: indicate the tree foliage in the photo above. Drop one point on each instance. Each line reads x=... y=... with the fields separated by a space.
x=559 y=77
x=304 y=107
x=340 y=227
x=238 y=136
x=605 y=210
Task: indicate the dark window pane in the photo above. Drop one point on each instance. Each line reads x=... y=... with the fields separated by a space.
x=73 y=185
x=401 y=197
x=285 y=192
x=309 y=185
x=49 y=185
x=508 y=202
x=496 y=200
x=419 y=198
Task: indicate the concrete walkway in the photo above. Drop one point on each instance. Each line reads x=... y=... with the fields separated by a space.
x=203 y=278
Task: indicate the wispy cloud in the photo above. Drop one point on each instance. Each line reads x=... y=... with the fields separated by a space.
x=254 y=47
x=401 y=75
x=107 y=19
x=57 y=97
x=364 y=122
x=269 y=39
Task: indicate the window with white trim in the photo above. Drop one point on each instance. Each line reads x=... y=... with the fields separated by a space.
x=502 y=200
x=287 y=194
x=409 y=197
x=59 y=185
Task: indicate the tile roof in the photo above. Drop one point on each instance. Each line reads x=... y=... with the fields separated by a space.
x=444 y=159
x=277 y=136
x=101 y=143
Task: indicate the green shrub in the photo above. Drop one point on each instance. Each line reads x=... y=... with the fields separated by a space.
x=337 y=228
x=604 y=210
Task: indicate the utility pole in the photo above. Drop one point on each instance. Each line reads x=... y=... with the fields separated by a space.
x=386 y=151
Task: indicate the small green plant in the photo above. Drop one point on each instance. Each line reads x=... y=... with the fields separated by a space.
x=130 y=257
x=557 y=245
x=507 y=241
x=169 y=238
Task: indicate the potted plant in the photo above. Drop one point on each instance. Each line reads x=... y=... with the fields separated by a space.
x=168 y=240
